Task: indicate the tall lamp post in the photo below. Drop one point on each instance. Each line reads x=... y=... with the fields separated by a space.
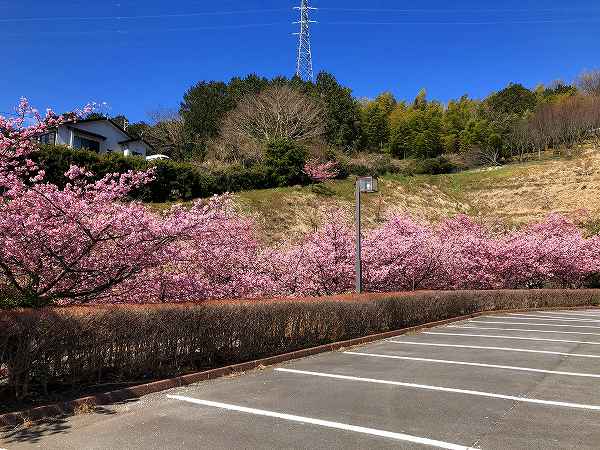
x=367 y=185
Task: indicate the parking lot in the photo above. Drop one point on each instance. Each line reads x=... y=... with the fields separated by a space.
x=508 y=381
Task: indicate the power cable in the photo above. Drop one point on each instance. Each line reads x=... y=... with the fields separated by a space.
x=132 y=17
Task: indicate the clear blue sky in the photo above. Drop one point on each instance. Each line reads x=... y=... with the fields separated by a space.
x=139 y=55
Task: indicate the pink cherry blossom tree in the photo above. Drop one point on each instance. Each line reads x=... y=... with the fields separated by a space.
x=321 y=171
x=404 y=255
x=215 y=256
x=87 y=243
x=71 y=244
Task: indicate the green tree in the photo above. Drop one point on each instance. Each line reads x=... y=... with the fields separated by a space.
x=204 y=106
x=341 y=109
x=285 y=161
x=555 y=92
x=456 y=116
x=417 y=131
x=137 y=129
x=513 y=99
x=238 y=88
x=421 y=100
x=374 y=121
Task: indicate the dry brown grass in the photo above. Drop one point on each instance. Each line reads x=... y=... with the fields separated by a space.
x=514 y=194
x=564 y=186
x=84 y=408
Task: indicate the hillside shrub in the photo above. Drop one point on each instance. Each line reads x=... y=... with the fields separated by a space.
x=172 y=180
x=46 y=350
x=431 y=166
x=368 y=164
x=285 y=161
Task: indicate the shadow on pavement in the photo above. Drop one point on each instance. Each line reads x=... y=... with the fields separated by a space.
x=33 y=432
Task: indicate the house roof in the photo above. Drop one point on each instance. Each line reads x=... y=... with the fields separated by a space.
x=89 y=133
x=116 y=125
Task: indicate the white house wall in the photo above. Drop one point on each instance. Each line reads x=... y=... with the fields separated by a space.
x=138 y=147
x=112 y=134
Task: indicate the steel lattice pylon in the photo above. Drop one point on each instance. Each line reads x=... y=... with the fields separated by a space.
x=304 y=65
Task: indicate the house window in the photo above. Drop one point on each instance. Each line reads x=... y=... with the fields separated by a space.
x=47 y=138
x=81 y=142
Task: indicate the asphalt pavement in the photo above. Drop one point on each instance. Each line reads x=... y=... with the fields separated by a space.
x=510 y=381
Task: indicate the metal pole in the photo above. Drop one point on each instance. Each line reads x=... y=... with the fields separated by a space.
x=358 y=265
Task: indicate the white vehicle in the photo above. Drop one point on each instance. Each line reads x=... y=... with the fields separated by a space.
x=156 y=157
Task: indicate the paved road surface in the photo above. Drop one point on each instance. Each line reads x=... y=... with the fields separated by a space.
x=512 y=381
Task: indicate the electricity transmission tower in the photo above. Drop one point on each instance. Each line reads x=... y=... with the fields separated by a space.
x=304 y=65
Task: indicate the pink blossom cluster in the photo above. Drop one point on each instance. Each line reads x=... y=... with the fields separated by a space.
x=87 y=243
x=321 y=171
x=404 y=254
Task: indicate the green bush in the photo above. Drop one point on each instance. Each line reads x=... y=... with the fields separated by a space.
x=285 y=161
x=374 y=164
x=239 y=178
x=432 y=166
x=56 y=160
x=177 y=180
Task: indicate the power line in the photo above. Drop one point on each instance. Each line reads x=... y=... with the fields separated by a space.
x=472 y=10
x=304 y=65
x=134 y=17
x=154 y=30
x=456 y=23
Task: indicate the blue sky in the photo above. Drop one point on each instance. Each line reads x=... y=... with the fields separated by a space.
x=142 y=55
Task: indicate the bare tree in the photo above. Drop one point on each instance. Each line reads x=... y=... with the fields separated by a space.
x=168 y=134
x=589 y=82
x=520 y=138
x=278 y=112
x=566 y=123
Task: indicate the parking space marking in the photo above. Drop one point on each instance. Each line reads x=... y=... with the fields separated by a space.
x=443 y=389
x=507 y=349
x=464 y=327
x=324 y=423
x=515 y=316
x=534 y=323
x=465 y=363
x=566 y=313
x=511 y=337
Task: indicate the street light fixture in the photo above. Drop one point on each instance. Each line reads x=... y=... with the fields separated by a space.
x=367 y=185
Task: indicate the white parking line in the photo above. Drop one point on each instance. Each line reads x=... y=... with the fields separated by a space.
x=323 y=423
x=514 y=316
x=505 y=349
x=444 y=389
x=464 y=363
x=521 y=329
x=566 y=313
x=534 y=323
x=511 y=337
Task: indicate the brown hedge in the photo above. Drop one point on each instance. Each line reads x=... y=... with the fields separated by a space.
x=47 y=349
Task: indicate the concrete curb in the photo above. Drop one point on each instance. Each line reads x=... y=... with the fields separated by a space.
x=57 y=409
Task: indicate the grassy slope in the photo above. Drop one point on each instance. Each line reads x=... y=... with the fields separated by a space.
x=513 y=194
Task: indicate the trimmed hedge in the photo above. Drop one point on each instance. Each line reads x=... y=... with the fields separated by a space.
x=42 y=351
